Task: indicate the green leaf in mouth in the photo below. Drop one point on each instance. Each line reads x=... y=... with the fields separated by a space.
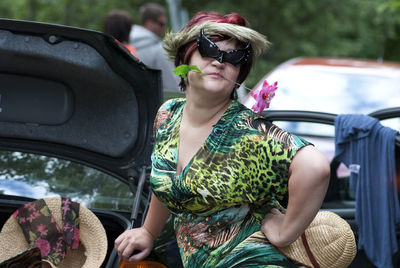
x=182 y=70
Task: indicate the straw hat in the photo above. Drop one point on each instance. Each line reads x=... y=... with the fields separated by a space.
x=330 y=240
x=173 y=41
x=93 y=239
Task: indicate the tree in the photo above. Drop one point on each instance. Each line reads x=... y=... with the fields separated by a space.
x=389 y=18
x=301 y=28
x=297 y=28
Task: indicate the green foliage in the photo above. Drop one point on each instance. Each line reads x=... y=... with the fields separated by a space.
x=88 y=14
x=391 y=9
x=325 y=28
x=183 y=69
x=296 y=28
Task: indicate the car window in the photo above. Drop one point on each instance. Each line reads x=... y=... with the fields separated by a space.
x=38 y=176
x=320 y=135
x=173 y=95
x=306 y=128
x=339 y=196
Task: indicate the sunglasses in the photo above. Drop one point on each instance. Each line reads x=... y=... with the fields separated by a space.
x=208 y=49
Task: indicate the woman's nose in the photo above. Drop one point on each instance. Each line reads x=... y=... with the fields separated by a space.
x=218 y=63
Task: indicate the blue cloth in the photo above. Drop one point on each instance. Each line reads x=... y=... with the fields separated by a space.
x=367 y=148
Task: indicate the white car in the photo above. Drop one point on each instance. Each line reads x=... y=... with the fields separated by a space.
x=332 y=85
x=311 y=92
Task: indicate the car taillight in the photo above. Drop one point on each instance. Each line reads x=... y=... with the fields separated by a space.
x=141 y=264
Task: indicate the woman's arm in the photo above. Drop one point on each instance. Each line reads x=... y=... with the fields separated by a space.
x=142 y=239
x=308 y=181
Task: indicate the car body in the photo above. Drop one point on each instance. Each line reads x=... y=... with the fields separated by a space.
x=312 y=91
x=76 y=120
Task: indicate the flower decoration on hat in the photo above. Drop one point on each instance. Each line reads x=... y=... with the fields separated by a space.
x=263 y=96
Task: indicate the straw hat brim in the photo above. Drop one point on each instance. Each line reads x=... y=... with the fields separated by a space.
x=93 y=239
x=173 y=41
x=330 y=240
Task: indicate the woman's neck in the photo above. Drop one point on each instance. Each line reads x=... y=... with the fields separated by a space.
x=204 y=112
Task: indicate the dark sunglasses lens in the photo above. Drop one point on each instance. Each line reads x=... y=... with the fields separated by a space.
x=208 y=51
x=207 y=48
x=235 y=57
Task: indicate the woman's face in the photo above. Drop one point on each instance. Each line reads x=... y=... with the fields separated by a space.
x=216 y=77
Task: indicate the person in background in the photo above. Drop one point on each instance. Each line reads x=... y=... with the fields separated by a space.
x=146 y=38
x=118 y=24
x=221 y=168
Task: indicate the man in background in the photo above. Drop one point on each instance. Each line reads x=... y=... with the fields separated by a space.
x=146 y=38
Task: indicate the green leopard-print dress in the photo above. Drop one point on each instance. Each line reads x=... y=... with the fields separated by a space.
x=222 y=195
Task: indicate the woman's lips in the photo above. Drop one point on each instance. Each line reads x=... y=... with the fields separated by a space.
x=215 y=75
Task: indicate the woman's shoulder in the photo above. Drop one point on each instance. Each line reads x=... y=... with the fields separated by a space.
x=253 y=120
x=172 y=104
x=166 y=110
x=264 y=127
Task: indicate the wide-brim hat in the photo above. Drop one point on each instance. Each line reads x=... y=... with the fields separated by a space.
x=92 y=238
x=173 y=41
x=330 y=240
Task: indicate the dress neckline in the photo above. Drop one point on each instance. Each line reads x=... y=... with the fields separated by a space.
x=185 y=169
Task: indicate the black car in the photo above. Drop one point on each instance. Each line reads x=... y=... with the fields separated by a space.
x=76 y=120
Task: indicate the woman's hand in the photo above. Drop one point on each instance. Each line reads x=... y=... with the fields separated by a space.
x=138 y=239
x=270 y=227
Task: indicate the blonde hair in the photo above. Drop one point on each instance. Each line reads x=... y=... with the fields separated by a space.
x=173 y=41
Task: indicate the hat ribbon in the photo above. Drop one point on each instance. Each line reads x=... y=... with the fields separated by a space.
x=41 y=230
x=308 y=250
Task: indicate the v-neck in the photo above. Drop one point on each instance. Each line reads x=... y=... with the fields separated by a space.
x=185 y=169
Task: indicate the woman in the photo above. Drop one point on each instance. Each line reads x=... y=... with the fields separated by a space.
x=220 y=168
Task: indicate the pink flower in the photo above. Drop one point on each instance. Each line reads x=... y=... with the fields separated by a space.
x=44 y=246
x=31 y=218
x=58 y=245
x=67 y=227
x=75 y=244
x=36 y=213
x=66 y=202
x=30 y=206
x=42 y=229
x=263 y=96
x=58 y=227
x=65 y=205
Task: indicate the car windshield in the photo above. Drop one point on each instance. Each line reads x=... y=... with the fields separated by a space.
x=327 y=89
